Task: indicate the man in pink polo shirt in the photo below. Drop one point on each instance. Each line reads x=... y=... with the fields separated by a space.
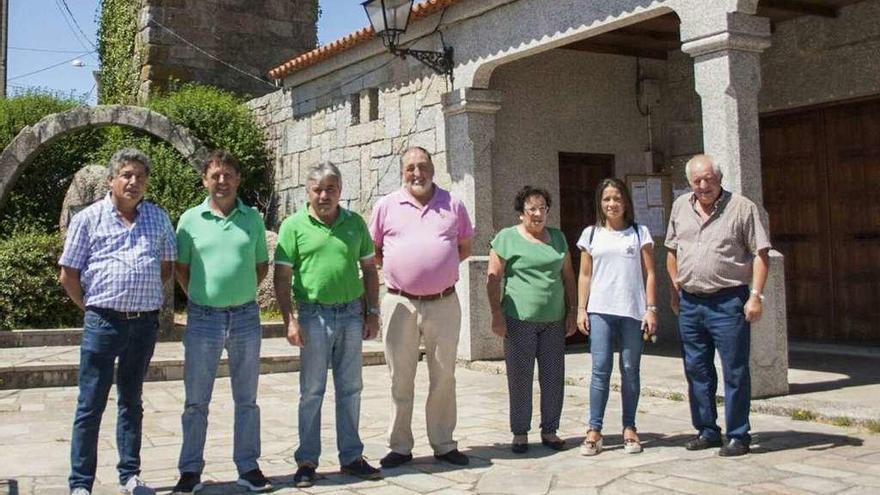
x=421 y=234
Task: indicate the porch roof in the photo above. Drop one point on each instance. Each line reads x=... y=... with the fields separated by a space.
x=653 y=43
x=419 y=11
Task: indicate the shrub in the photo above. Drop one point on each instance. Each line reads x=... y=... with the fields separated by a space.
x=35 y=201
x=30 y=295
x=221 y=120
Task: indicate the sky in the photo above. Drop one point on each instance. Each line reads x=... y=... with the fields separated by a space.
x=47 y=36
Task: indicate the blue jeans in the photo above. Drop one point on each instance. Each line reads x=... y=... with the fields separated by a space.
x=208 y=332
x=106 y=337
x=604 y=329
x=333 y=336
x=706 y=324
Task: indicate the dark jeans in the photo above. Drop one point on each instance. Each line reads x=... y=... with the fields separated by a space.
x=105 y=338
x=706 y=324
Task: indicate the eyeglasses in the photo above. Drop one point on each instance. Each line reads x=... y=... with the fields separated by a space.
x=536 y=209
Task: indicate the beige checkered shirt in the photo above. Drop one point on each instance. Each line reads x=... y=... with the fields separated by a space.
x=718 y=253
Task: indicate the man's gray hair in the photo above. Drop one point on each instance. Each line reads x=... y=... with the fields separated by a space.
x=702 y=158
x=124 y=156
x=322 y=171
x=416 y=148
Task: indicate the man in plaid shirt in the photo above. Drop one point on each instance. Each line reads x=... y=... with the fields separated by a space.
x=118 y=254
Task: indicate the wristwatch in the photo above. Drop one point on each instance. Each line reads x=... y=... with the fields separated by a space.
x=373 y=311
x=755 y=292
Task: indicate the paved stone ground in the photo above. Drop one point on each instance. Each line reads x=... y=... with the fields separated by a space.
x=789 y=457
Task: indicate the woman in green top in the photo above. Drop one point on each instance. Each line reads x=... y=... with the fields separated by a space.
x=531 y=315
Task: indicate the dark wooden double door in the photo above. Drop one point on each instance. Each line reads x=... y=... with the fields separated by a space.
x=821 y=180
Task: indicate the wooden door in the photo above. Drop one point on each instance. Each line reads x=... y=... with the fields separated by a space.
x=821 y=170
x=853 y=151
x=579 y=175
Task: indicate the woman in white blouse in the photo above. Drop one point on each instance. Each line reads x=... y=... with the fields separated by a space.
x=616 y=300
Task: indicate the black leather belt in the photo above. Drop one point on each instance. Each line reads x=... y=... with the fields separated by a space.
x=426 y=297
x=122 y=315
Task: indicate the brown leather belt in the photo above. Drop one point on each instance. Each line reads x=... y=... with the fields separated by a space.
x=426 y=297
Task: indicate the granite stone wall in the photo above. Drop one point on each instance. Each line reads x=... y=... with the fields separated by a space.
x=362 y=132
x=253 y=36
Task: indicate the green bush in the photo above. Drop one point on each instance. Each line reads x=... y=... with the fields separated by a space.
x=221 y=120
x=30 y=295
x=35 y=201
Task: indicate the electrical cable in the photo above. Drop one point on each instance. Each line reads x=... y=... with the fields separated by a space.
x=41 y=50
x=73 y=30
x=209 y=55
x=50 y=67
x=78 y=27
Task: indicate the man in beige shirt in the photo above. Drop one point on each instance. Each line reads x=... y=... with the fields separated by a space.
x=717 y=247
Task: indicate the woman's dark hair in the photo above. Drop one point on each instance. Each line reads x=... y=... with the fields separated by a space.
x=519 y=202
x=628 y=215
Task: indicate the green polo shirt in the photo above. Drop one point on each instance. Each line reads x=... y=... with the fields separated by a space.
x=222 y=254
x=324 y=258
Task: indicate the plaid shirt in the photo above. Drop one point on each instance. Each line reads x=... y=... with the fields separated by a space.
x=120 y=268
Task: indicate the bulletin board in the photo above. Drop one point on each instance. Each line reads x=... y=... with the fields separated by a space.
x=652 y=200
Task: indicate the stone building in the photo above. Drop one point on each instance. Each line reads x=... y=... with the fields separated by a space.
x=559 y=93
x=230 y=44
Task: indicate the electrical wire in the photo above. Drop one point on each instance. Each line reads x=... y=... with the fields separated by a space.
x=78 y=27
x=50 y=67
x=41 y=50
x=73 y=30
x=209 y=55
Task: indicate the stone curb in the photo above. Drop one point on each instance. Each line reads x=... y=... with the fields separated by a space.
x=65 y=374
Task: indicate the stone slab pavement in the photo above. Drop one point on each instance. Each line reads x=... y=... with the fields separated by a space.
x=832 y=384
x=789 y=457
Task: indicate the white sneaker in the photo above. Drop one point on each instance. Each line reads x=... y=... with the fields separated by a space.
x=80 y=491
x=136 y=486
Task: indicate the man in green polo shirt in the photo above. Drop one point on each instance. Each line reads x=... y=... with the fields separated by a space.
x=320 y=249
x=222 y=259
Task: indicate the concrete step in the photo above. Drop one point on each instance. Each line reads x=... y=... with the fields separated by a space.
x=57 y=366
x=72 y=336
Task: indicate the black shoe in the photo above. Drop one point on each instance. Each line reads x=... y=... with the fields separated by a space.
x=360 y=468
x=393 y=459
x=188 y=483
x=702 y=443
x=519 y=448
x=734 y=448
x=454 y=457
x=254 y=481
x=304 y=476
x=554 y=443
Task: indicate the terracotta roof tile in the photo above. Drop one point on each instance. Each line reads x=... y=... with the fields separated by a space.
x=420 y=11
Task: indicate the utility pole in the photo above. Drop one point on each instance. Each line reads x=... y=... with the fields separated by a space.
x=4 y=31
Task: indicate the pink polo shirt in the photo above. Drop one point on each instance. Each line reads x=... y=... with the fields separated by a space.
x=420 y=245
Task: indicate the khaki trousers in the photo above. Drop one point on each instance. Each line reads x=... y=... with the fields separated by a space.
x=406 y=321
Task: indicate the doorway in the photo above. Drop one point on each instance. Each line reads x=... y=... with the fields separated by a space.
x=579 y=175
x=821 y=174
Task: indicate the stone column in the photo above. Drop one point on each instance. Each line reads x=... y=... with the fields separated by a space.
x=727 y=71
x=470 y=134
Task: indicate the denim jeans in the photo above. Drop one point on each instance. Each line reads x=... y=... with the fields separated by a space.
x=706 y=324
x=208 y=332
x=333 y=336
x=604 y=329
x=107 y=337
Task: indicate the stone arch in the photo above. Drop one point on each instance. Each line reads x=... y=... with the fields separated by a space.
x=21 y=151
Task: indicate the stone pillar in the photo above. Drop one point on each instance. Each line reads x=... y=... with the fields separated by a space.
x=727 y=71
x=470 y=134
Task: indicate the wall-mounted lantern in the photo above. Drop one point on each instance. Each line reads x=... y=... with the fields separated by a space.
x=389 y=19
